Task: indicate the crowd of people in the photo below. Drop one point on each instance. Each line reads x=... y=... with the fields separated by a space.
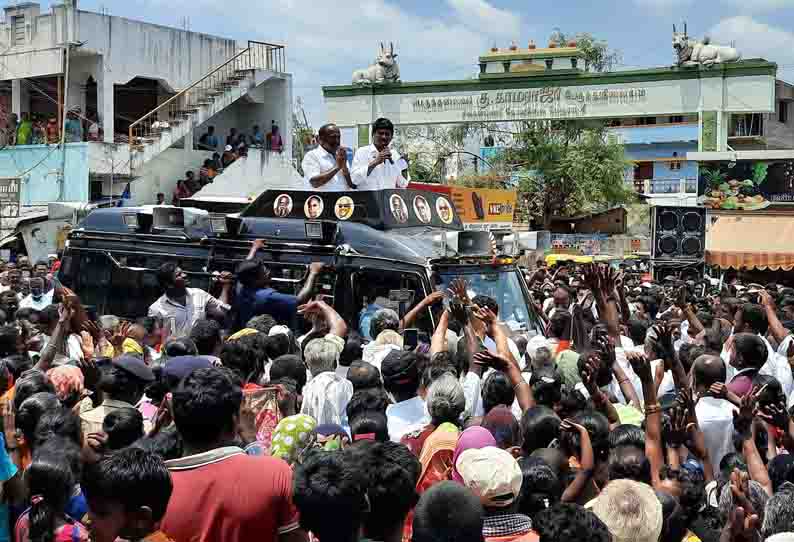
x=236 y=146
x=238 y=142
x=646 y=412
x=30 y=128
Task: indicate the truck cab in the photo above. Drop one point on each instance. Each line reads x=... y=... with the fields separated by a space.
x=389 y=248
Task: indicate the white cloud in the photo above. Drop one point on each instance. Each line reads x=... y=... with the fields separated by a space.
x=743 y=6
x=755 y=39
x=754 y=6
x=326 y=41
x=481 y=14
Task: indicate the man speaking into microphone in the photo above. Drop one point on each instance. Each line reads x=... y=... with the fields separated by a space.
x=376 y=166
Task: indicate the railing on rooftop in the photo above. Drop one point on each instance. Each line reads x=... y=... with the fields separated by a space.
x=686 y=185
x=179 y=107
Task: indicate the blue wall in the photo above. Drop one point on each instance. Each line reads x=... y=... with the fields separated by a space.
x=661 y=170
x=40 y=165
x=657 y=134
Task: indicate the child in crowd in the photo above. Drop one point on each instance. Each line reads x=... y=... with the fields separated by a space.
x=51 y=483
x=128 y=493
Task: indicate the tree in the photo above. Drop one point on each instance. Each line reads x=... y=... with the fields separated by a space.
x=597 y=55
x=564 y=168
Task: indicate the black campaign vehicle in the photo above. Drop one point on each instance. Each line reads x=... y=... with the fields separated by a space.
x=392 y=247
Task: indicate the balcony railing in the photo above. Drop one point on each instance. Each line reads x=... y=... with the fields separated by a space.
x=685 y=185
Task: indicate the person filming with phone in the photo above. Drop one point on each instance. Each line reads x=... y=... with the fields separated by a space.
x=376 y=166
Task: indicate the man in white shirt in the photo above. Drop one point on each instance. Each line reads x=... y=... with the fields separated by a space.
x=376 y=166
x=400 y=373
x=715 y=416
x=37 y=299
x=179 y=306
x=325 y=168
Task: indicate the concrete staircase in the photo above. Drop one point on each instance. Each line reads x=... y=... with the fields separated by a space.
x=177 y=117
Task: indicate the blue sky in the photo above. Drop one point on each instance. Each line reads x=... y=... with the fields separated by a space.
x=441 y=39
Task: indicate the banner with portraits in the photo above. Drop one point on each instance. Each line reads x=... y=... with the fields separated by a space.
x=381 y=209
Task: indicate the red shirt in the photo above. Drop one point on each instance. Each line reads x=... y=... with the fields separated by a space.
x=225 y=495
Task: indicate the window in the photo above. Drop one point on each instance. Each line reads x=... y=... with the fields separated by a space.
x=643 y=170
x=675 y=165
x=676 y=119
x=782 y=112
x=747 y=125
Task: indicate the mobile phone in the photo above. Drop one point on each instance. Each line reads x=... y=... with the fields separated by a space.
x=410 y=338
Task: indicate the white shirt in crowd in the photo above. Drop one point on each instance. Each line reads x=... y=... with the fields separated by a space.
x=319 y=161
x=44 y=301
x=405 y=417
x=180 y=318
x=715 y=417
x=385 y=176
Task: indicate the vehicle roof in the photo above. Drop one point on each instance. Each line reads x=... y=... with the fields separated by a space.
x=411 y=245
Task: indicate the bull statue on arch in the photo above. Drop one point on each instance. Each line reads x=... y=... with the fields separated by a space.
x=690 y=52
x=384 y=70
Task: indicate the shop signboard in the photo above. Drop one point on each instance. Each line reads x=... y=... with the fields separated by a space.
x=478 y=208
x=746 y=185
x=9 y=197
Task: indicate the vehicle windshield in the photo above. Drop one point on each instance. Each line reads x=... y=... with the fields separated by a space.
x=501 y=285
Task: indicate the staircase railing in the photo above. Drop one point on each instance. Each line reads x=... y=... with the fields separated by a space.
x=179 y=107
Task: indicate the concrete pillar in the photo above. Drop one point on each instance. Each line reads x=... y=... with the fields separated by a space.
x=76 y=95
x=20 y=97
x=105 y=99
x=188 y=142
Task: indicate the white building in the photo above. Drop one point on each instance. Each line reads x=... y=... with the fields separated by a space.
x=151 y=89
x=662 y=115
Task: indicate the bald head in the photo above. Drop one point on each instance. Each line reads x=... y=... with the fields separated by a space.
x=330 y=137
x=708 y=370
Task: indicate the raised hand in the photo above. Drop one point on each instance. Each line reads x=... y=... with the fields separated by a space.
x=742 y=526
x=486 y=315
x=433 y=298
x=743 y=419
x=495 y=361
x=93 y=329
x=589 y=374
x=677 y=430
x=739 y=484
x=65 y=313
x=641 y=366
x=607 y=349
x=117 y=338
x=718 y=390
x=663 y=343
x=775 y=414
x=226 y=278
x=91 y=373
x=459 y=311
x=766 y=299
x=87 y=344
x=458 y=289
x=591 y=277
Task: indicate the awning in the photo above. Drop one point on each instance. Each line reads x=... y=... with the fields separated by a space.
x=751 y=242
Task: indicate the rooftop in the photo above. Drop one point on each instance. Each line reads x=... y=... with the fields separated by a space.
x=557 y=78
